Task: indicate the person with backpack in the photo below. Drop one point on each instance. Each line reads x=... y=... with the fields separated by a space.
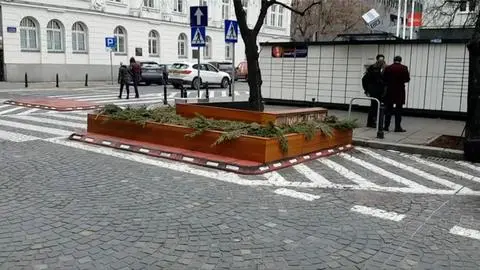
x=135 y=72
x=123 y=79
x=374 y=86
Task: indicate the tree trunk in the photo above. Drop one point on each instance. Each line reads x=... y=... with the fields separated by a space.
x=254 y=75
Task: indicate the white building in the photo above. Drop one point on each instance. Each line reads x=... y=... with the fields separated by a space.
x=46 y=37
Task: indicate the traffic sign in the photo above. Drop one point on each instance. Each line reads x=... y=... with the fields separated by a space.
x=231 y=31
x=111 y=42
x=199 y=16
x=198 y=36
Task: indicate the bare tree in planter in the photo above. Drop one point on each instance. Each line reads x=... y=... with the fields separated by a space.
x=249 y=37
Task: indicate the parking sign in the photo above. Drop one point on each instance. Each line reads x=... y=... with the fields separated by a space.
x=110 y=42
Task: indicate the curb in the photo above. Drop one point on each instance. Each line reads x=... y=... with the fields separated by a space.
x=197 y=160
x=52 y=108
x=412 y=149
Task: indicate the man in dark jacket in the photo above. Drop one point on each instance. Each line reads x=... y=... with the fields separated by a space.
x=135 y=72
x=395 y=75
x=123 y=79
x=374 y=86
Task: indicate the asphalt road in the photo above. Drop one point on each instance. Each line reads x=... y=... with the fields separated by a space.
x=67 y=205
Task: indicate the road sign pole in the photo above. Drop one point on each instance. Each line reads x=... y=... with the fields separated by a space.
x=233 y=72
x=198 y=70
x=111 y=65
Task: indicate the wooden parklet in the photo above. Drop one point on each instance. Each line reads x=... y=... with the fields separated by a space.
x=251 y=148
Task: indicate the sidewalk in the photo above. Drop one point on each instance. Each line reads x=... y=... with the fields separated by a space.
x=420 y=132
x=51 y=85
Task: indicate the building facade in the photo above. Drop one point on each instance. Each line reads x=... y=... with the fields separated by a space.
x=46 y=37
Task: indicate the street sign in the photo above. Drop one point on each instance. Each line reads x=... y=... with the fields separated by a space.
x=231 y=31
x=198 y=36
x=199 y=16
x=110 y=42
x=372 y=18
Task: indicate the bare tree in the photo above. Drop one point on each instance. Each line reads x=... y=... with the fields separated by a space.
x=249 y=37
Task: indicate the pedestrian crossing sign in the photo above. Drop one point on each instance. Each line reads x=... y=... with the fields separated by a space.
x=198 y=36
x=231 y=31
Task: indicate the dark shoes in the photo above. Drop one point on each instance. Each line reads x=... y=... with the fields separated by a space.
x=396 y=129
x=371 y=125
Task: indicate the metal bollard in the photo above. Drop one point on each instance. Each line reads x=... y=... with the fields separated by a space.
x=182 y=90
x=380 y=133
x=207 y=93
x=313 y=102
x=229 y=89
x=86 y=79
x=26 y=80
x=165 y=101
x=56 y=78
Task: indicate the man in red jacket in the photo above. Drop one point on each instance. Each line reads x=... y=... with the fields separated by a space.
x=395 y=76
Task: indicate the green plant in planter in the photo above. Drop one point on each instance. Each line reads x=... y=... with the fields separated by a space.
x=231 y=129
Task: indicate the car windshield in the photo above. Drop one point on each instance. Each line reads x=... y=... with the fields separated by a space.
x=150 y=65
x=225 y=66
x=179 y=66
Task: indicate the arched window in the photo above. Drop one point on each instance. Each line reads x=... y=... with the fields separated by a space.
x=28 y=34
x=182 y=46
x=121 y=35
x=55 y=36
x=207 y=50
x=225 y=9
x=79 y=37
x=153 y=43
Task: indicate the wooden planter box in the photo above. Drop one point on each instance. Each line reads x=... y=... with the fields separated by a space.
x=251 y=148
x=218 y=111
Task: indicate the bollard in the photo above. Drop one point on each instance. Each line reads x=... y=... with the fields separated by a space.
x=313 y=102
x=56 y=77
x=207 y=94
x=229 y=89
x=380 y=133
x=182 y=90
x=26 y=80
x=86 y=79
x=165 y=102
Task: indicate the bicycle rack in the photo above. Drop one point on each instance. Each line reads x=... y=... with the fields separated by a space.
x=380 y=134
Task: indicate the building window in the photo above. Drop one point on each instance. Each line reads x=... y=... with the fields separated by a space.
x=228 y=52
x=245 y=7
x=273 y=15
x=28 y=34
x=207 y=50
x=178 y=6
x=182 y=46
x=54 y=36
x=121 y=35
x=467 y=6
x=153 y=43
x=225 y=9
x=204 y=3
x=280 y=16
x=149 y=3
x=79 y=37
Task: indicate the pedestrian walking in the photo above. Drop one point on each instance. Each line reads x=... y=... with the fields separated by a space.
x=123 y=79
x=135 y=72
x=374 y=86
x=395 y=76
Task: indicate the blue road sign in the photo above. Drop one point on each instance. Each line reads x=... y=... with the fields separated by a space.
x=231 y=31
x=199 y=16
x=110 y=42
x=198 y=36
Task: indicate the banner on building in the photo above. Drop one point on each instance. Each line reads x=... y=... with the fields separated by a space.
x=290 y=51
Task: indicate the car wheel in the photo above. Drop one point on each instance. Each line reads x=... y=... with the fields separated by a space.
x=225 y=82
x=196 y=83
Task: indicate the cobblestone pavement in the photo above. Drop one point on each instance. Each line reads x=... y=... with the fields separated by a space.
x=67 y=205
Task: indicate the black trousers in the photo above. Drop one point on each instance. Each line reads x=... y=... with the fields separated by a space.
x=135 y=86
x=372 y=113
x=389 y=111
x=121 y=89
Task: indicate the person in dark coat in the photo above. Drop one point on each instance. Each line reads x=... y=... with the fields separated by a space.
x=374 y=87
x=395 y=75
x=123 y=79
x=135 y=72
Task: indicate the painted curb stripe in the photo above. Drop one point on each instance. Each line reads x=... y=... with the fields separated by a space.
x=379 y=213
x=297 y=195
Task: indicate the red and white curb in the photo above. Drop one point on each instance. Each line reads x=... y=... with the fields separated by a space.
x=53 y=108
x=250 y=170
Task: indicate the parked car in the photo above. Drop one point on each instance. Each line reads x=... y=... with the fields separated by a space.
x=186 y=74
x=224 y=66
x=152 y=72
x=241 y=72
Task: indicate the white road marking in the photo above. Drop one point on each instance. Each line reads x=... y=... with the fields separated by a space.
x=468 y=165
x=442 y=168
x=76 y=96
x=50 y=121
x=54 y=131
x=5 y=106
x=172 y=95
x=16 y=137
x=311 y=175
x=115 y=97
x=11 y=110
x=413 y=170
x=457 y=230
x=68 y=117
x=379 y=213
x=297 y=195
x=347 y=173
x=275 y=179
x=378 y=170
x=29 y=111
x=224 y=93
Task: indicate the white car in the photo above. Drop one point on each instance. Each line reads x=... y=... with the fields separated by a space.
x=187 y=74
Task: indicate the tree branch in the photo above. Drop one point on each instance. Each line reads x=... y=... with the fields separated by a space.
x=301 y=13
